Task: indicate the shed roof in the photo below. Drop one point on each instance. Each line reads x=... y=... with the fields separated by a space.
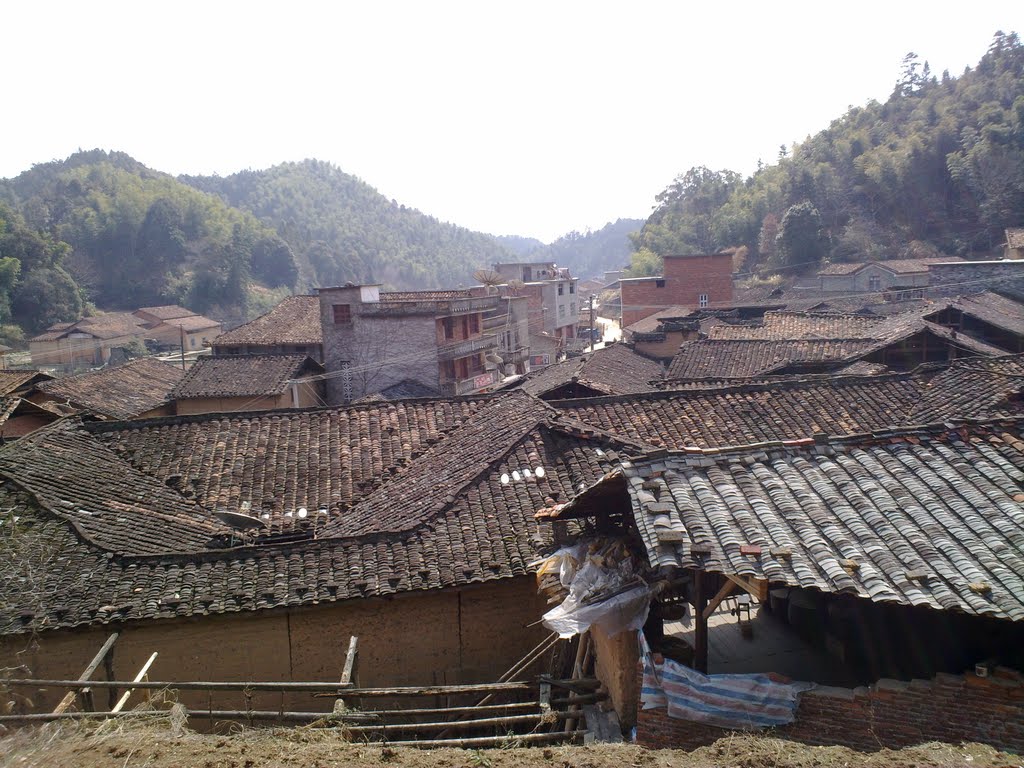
x=14 y=379
x=614 y=370
x=167 y=311
x=924 y=517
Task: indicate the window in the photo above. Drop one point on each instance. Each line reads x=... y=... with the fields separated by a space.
x=561 y=310
x=702 y=300
x=874 y=283
x=192 y=342
x=449 y=327
x=474 y=323
x=572 y=287
x=342 y=314
x=234 y=350
x=659 y=283
x=561 y=289
x=572 y=308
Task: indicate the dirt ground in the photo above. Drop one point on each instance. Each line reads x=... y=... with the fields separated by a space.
x=159 y=745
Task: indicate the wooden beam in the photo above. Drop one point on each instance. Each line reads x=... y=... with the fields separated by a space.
x=700 y=631
x=716 y=601
x=758 y=588
x=350 y=661
x=89 y=670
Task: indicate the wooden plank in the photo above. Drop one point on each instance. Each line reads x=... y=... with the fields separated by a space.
x=723 y=593
x=756 y=587
x=350 y=661
x=138 y=678
x=89 y=670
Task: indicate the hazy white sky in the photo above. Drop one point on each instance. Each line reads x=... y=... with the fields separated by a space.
x=528 y=118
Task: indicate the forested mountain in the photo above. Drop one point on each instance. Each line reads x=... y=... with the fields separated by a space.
x=341 y=229
x=938 y=167
x=587 y=254
x=121 y=236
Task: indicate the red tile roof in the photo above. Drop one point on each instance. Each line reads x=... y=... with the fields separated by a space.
x=243 y=376
x=119 y=392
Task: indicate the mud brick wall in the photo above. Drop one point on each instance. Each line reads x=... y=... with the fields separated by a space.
x=891 y=713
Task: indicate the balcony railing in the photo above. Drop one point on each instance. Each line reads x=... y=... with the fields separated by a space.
x=470 y=385
x=456 y=349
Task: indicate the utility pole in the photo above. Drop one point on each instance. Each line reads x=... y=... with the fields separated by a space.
x=591 y=329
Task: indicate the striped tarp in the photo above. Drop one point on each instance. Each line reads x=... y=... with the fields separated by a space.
x=737 y=702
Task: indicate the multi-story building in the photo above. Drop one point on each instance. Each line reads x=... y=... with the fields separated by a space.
x=553 y=299
x=374 y=340
x=699 y=281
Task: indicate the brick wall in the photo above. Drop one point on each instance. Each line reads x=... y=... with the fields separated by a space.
x=891 y=713
x=685 y=278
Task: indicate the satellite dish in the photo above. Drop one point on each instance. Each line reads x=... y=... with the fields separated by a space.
x=239 y=521
x=490 y=357
x=302 y=512
x=539 y=471
x=515 y=286
x=488 y=277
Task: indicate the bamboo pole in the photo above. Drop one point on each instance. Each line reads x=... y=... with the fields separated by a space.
x=138 y=678
x=191 y=685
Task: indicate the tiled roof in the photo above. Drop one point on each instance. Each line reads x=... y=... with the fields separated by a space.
x=786 y=325
x=192 y=323
x=167 y=311
x=149 y=489
x=709 y=358
x=1015 y=237
x=242 y=376
x=121 y=392
x=296 y=320
x=110 y=326
x=976 y=386
x=863 y=368
x=899 y=266
x=407 y=389
x=994 y=309
x=11 y=380
x=924 y=518
x=743 y=413
x=614 y=370
x=651 y=323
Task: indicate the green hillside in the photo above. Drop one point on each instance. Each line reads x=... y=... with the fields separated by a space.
x=128 y=236
x=938 y=167
x=341 y=229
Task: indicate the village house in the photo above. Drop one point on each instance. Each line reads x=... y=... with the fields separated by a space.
x=249 y=383
x=408 y=524
x=659 y=335
x=177 y=326
x=553 y=299
x=134 y=390
x=696 y=281
x=87 y=343
x=373 y=340
x=290 y=328
x=893 y=275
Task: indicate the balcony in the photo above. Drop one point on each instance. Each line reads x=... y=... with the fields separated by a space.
x=471 y=385
x=456 y=349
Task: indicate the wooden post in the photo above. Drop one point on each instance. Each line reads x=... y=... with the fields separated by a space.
x=700 y=631
x=349 y=671
x=104 y=649
x=108 y=664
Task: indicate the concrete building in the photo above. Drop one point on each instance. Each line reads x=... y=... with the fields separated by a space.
x=552 y=294
x=373 y=340
x=879 y=276
x=696 y=281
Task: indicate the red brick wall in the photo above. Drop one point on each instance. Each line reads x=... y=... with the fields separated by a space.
x=685 y=277
x=950 y=708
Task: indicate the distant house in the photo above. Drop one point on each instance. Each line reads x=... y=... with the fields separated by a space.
x=696 y=281
x=19 y=417
x=86 y=343
x=1014 y=248
x=138 y=389
x=879 y=276
x=290 y=328
x=178 y=326
x=248 y=383
x=660 y=334
x=553 y=296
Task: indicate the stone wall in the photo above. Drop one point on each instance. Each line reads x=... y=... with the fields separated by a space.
x=891 y=713
x=957 y=277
